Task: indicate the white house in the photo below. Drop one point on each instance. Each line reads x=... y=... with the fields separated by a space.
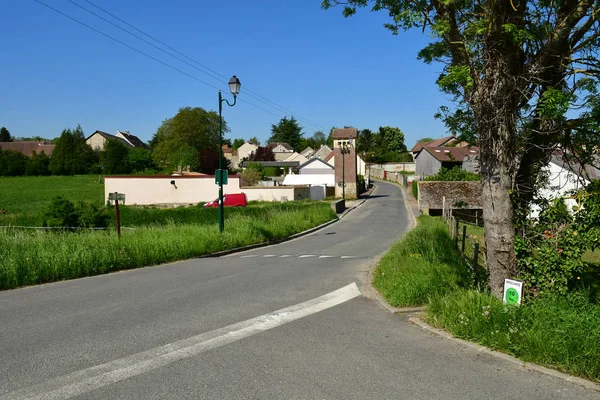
x=315 y=166
x=563 y=178
x=97 y=140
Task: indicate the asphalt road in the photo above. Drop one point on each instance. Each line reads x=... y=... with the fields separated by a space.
x=256 y=325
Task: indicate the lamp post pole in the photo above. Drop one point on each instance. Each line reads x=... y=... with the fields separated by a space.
x=234 y=87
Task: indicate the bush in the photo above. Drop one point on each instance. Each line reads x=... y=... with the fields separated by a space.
x=361 y=184
x=415 y=189
x=454 y=174
x=63 y=213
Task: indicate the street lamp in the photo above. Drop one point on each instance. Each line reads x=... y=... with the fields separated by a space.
x=234 y=88
x=344 y=149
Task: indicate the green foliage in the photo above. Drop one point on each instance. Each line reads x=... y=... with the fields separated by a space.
x=387 y=145
x=140 y=160
x=254 y=140
x=91 y=215
x=114 y=158
x=5 y=135
x=273 y=171
x=38 y=164
x=237 y=143
x=415 y=189
x=423 y=264
x=559 y=331
x=454 y=174
x=287 y=131
x=360 y=181
x=317 y=140
x=60 y=213
x=72 y=156
x=253 y=173
x=12 y=163
x=33 y=257
x=550 y=249
x=180 y=139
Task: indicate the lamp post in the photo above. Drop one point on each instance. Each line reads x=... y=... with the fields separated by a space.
x=234 y=88
x=344 y=149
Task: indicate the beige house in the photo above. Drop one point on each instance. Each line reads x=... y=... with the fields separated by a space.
x=297 y=157
x=242 y=153
x=97 y=140
x=281 y=150
x=322 y=153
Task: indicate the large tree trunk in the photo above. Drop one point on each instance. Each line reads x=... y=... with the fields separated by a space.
x=495 y=107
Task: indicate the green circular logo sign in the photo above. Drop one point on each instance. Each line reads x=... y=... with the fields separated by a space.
x=512 y=296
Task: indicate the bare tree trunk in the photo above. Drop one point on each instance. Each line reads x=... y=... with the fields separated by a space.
x=499 y=229
x=495 y=108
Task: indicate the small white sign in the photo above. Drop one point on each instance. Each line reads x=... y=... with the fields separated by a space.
x=513 y=291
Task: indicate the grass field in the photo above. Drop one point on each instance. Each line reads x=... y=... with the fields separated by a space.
x=33 y=257
x=24 y=197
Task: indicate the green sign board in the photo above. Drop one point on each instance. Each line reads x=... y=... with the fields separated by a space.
x=221 y=176
x=116 y=196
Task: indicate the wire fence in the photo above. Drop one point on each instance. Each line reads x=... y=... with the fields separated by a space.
x=466 y=229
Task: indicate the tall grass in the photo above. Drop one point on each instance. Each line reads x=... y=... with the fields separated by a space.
x=28 y=258
x=562 y=332
x=422 y=264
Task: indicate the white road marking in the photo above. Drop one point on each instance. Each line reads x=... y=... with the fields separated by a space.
x=325 y=256
x=249 y=256
x=284 y=256
x=307 y=255
x=348 y=257
x=86 y=380
x=269 y=255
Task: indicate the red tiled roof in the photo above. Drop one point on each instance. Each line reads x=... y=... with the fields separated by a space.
x=344 y=133
x=452 y=153
x=434 y=143
x=329 y=157
x=226 y=149
x=27 y=147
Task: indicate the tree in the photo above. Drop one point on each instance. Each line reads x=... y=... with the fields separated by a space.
x=182 y=138
x=5 y=135
x=263 y=154
x=114 y=157
x=140 y=160
x=12 y=163
x=524 y=78
x=72 y=155
x=288 y=131
x=237 y=143
x=254 y=140
x=365 y=142
x=38 y=164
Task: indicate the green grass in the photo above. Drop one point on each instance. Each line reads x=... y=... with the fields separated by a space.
x=33 y=257
x=25 y=197
x=558 y=332
x=422 y=264
x=561 y=332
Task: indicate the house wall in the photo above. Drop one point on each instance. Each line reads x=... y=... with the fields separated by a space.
x=276 y=193
x=159 y=190
x=426 y=164
x=245 y=150
x=561 y=182
x=281 y=156
x=349 y=174
x=96 y=141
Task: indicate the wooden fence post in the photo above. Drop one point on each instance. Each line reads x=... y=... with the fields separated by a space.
x=456 y=233
x=476 y=256
x=118 y=215
x=464 y=236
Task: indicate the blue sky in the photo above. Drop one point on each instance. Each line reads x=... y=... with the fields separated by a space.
x=327 y=69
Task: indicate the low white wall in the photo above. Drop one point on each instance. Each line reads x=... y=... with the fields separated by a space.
x=265 y=193
x=188 y=189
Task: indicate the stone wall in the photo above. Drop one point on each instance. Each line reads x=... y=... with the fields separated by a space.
x=452 y=195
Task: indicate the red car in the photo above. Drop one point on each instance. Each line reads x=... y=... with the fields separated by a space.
x=230 y=200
